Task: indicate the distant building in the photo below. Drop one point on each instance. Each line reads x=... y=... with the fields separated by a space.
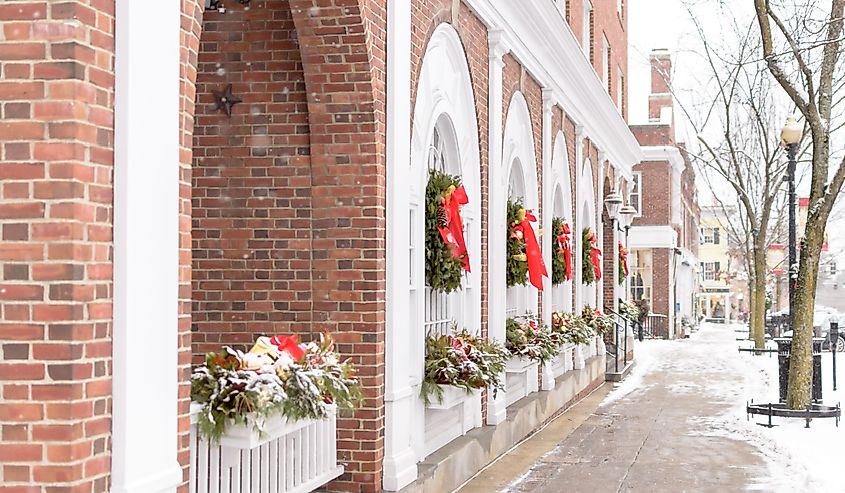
x=724 y=281
x=663 y=239
x=827 y=293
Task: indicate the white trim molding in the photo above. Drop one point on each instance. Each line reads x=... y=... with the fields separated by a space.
x=496 y=216
x=146 y=249
x=662 y=236
x=400 y=461
x=545 y=44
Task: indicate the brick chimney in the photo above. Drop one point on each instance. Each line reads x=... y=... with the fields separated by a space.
x=660 y=100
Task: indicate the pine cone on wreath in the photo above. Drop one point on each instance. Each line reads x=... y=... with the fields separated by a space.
x=442 y=217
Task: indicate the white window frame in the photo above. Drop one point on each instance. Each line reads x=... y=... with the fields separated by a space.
x=605 y=62
x=708 y=235
x=620 y=88
x=637 y=179
x=710 y=271
x=587 y=29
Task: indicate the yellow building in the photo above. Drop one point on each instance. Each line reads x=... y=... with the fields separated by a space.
x=722 y=297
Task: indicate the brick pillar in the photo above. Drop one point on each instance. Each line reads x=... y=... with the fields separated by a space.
x=252 y=228
x=346 y=104
x=192 y=12
x=56 y=92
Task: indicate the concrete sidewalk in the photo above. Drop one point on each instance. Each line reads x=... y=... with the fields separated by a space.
x=652 y=439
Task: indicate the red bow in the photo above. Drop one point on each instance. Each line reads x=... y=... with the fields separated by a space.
x=564 y=245
x=536 y=266
x=288 y=344
x=453 y=232
x=595 y=255
x=458 y=345
x=623 y=256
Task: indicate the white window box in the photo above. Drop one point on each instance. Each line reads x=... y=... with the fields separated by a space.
x=452 y=396
x=290 y=457
x=562 y=363
x=521 y=378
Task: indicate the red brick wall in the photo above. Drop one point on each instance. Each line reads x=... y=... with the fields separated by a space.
x=299 y=168
x=192 y=12
x=606 y=21
x=653 y=135
x=609 y=258
x=656 y=188
x=348 y=169
x=56 y=94
x=251 y=181
x=661 y=258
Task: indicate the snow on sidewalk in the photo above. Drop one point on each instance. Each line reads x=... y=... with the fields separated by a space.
x=799 y=459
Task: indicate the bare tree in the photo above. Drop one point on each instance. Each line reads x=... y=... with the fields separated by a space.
x=803 y=56
x=735 y=122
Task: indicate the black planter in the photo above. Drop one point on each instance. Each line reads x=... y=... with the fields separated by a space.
x=784 y=350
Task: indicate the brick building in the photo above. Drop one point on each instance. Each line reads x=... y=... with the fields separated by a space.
x=663 y=239
x=143 y=226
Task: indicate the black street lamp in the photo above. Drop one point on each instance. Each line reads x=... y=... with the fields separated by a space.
x=790 y=136
x=627 y=214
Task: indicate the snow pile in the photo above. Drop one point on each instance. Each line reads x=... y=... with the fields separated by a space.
x=799 y=459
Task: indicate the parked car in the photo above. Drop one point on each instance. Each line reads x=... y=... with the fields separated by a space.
x=822 y=317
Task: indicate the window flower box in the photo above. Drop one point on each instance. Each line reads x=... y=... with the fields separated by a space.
x=289 y=457
x=452 y=397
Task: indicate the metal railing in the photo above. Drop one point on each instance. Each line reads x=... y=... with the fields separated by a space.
x=622 y=324
x=656 y=326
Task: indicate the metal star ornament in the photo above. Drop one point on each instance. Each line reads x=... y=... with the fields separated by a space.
x=225 y=100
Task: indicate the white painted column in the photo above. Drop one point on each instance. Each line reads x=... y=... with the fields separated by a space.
x=547 y=217
x=548 y=203
x=400 y=461
x=497 y=215
x=146 y=248
x=577 y=221
x=600 y=231
x=617 y=288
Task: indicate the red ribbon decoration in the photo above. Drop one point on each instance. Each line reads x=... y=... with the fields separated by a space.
x=453 y=233
x=288 y=344
x=623 y=256
x=536 y=266
x=564 y=244
x=458 y=345
x=595 y=255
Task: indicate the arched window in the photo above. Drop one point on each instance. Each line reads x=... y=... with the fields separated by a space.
x=517 y=296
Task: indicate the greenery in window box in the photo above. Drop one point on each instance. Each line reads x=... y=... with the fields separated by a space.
x=558 y=255
x=462 y=360
x=517 y=261
x=277 y=376
x=443 y=271
x=588 y=271
x=528 y=338
x=597 y=321
x=568 y=328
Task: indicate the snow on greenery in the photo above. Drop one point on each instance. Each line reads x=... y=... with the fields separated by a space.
x=462 y=360
x=297 y=381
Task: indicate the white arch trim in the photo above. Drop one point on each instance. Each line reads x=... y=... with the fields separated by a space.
x=444 y=100
x=518 y=144
x=561 y=205
x=586 y=218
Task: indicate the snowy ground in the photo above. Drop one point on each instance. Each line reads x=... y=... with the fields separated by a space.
x=799 y=459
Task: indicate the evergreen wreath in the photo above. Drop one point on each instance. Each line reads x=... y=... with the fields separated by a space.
x=443 y=271
x=588 y=273
x=558 y=261
x=517 y=262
